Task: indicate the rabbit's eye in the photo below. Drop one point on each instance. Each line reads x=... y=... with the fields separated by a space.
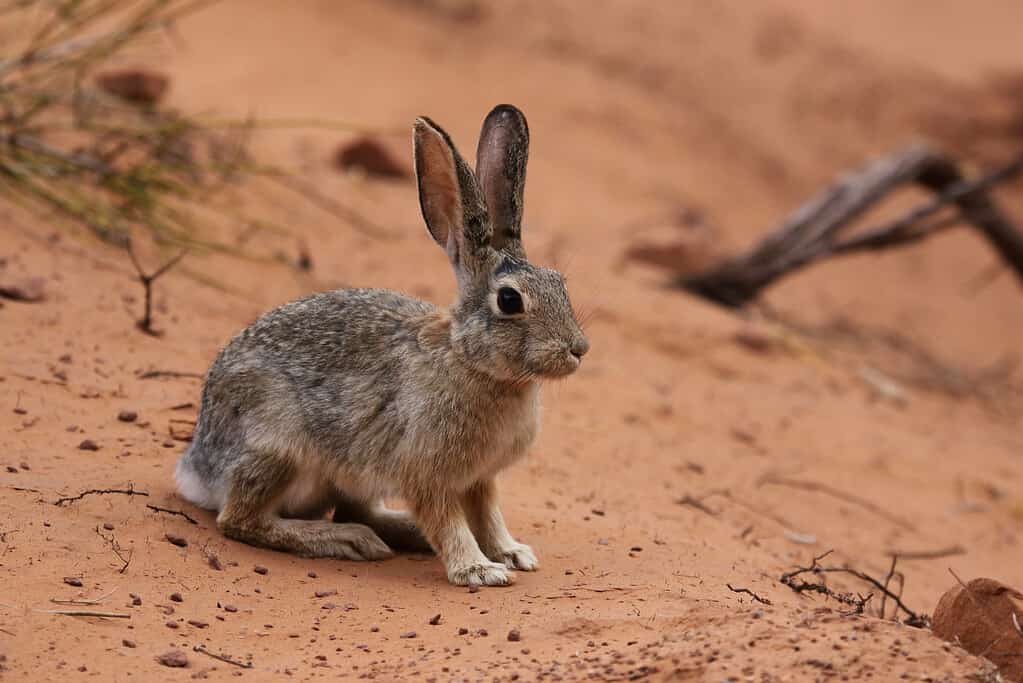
x=509 y=301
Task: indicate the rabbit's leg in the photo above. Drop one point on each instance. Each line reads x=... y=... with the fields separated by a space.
x=249 y=515
x=396 y=527
x=443 y=522
x=487 y=522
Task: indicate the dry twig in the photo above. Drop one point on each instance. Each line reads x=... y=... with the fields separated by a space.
x=818 y=487
x=227 y=659
x=747 y=591
x=794 y=581
x=169 y=511
x=84 y=601
x=146 y=322
x=85 y=613
x=98 y=492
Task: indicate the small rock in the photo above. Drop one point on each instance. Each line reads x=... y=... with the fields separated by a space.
x=197 y=623
x=176 y=597
x=463 y=631
x=514 y=635
x=214 y=562
x=73 y=581
x=108 y=526
x=230 y=608
x=27 y=290
x=325 y=594
x=173 y=658
x=135 y=599
x=311 y=575
x=128 y=643
x=127 y=416
x=12 y=469
x=260 y=569
x=483 y=633
x=754 y=337
x=139 y=86
x=409 y=634
x=171 y=623
x=88 y=445
x=372 y=158
x=435 y=620
x=176 y=540
x=374 y=629
x=982 y=612
x=636 y=549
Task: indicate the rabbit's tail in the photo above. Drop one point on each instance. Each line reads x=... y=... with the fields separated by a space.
x=192 y=485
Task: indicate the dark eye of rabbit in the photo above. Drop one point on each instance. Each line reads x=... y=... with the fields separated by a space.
x=509 y=301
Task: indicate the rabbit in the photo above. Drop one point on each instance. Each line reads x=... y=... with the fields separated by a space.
x=343 y=398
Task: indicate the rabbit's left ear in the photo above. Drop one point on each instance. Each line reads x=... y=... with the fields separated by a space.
x=501 y=170
x=450 y=199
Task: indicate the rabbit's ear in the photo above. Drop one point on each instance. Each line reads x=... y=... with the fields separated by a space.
x=501 y=169
x=449 y=196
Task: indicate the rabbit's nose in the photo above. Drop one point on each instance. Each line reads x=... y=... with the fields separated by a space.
x=579 y=347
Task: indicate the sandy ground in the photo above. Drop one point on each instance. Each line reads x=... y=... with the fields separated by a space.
x=728 y=114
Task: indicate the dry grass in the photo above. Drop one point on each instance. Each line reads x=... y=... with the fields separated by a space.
x=74 y=147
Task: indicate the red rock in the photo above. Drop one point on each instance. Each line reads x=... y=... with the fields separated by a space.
x=135 y=85
x=173 y=658
x=370 y=157
x=985 y=618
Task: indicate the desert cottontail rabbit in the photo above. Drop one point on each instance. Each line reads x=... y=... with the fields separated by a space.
x=343 y=398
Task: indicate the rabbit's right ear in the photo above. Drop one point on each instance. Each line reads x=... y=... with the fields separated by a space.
x=501 y=169
x=449 y=196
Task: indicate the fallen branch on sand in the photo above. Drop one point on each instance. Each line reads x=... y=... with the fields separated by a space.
x=747 y=591
x=85 y=613
x=858 y=602
x=223 y=658
x=98 y=492
x=169 y=511
x=814 y=232
x=147 y=279
x=834 y=493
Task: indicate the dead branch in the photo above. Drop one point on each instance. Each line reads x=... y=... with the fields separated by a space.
x=147 y=280
x=223 y=658
x=818 y=487
x=116 y=548
x=157 y=508
x=98 y=492
x=794 y=581
x=696 y=503
x=929 y=554
x=156 y=374
x=85 y=613
x=84 y=601
x=814 y=231
x=747 y=591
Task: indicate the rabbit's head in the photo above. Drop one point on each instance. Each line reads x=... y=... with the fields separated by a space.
x=512 y=320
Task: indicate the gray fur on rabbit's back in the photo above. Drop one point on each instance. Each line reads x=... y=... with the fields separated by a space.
x=361 y=389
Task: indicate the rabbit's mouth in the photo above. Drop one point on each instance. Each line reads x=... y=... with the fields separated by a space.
x=558 y=365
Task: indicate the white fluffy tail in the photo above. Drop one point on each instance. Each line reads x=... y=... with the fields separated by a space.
x=193 y=488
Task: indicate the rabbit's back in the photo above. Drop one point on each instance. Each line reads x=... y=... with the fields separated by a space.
x=317 y=376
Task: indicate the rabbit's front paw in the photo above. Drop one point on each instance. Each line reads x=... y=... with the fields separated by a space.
x=516 y=556
x=481 y=574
